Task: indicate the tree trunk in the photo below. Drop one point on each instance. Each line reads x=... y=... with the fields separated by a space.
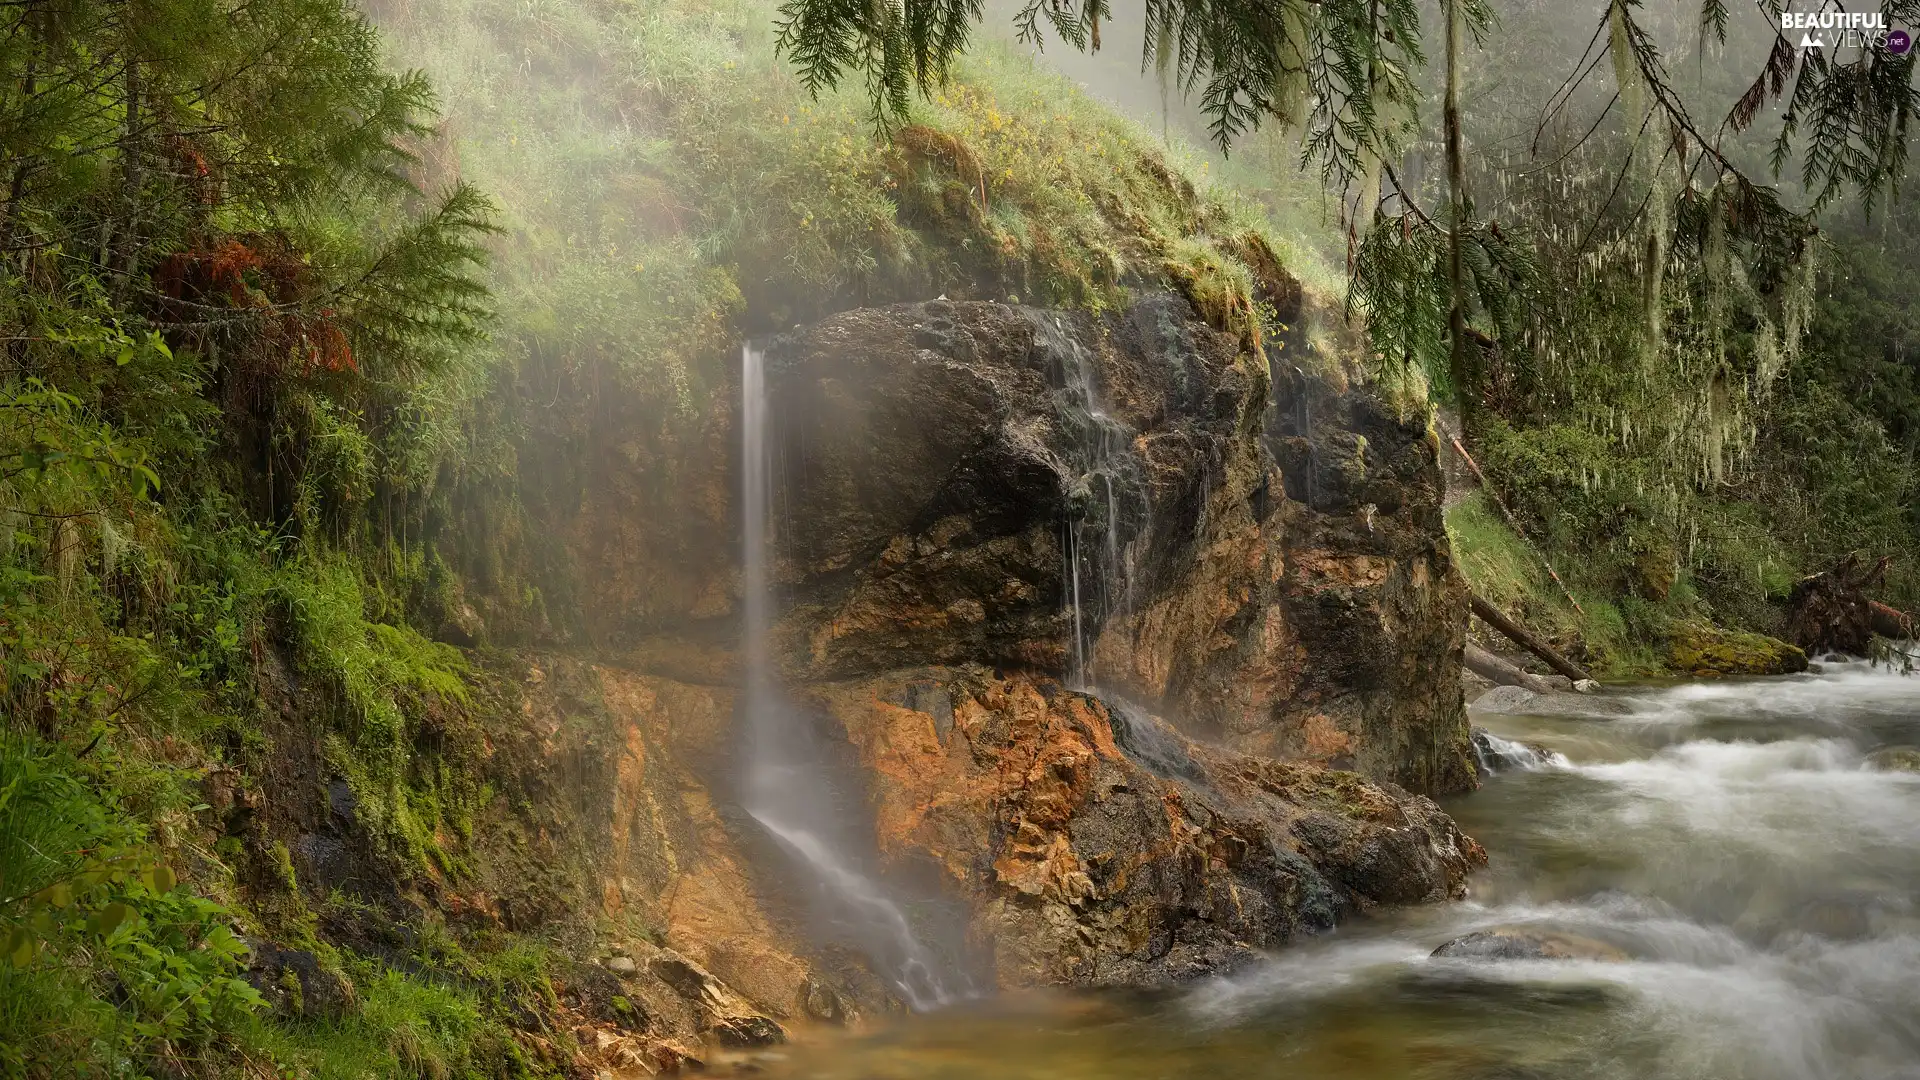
x=1517 y=634
x=1498 y=671
x=130 y=178
x=1830 y=611
x=1460 y=366
x=1891 y=623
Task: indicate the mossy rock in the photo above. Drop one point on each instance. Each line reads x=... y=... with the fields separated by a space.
x=1702 y=649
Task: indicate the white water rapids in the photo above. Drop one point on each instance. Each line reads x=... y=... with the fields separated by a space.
x=1748 y=883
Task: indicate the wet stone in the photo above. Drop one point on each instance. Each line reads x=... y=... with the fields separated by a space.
x=1895 y=759
x=1518 y=944
x=296 y=983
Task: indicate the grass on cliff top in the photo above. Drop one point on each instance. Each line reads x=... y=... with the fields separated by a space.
x=668 y=185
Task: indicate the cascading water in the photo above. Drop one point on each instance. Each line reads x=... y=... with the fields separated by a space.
x=1107 y=505
x=1498 y=755
x=786 y=785
x=1731 y=868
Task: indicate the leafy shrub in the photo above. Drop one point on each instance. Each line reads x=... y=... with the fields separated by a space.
x=109 y=964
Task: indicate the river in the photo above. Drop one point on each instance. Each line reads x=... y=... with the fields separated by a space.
x=1748 y=887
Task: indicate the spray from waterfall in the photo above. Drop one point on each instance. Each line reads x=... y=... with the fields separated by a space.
x=787 y=787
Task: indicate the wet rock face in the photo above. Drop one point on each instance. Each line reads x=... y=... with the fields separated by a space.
x=1098 y=847
x=1266 y=606
x=1269 y=574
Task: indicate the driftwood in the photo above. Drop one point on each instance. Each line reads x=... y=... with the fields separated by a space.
x=1518 y=634
x=1498 y=671
x=1831 y=612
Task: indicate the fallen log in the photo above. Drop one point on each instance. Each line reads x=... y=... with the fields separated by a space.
x=1517 y=634
x=1498 y=671
x=1514 y=522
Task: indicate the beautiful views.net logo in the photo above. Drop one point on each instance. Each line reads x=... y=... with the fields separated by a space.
x=1845 y=30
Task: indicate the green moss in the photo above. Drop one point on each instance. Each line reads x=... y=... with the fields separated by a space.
x=1707 y=650
x=283 y=866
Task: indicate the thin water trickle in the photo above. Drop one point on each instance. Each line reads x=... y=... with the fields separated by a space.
x=786 y=786
x=1108 y=515
x=1746 y=883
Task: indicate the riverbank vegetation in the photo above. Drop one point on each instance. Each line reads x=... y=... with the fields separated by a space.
x=1685 y=438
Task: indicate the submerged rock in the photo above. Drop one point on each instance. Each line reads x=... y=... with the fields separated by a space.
x=1508 y=943
x=1894 y=759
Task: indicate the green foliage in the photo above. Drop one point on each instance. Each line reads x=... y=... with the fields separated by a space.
x=1343 y=70
x=392 y=687
x=1670 y=418
x=1851 y=115
x=239 y=302
x=110 y=966
x=405 y=1026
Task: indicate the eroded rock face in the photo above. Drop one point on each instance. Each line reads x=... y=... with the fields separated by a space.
x=1260 y=570
x=1261 y=560
x=1101 y=847
x=1271 y=576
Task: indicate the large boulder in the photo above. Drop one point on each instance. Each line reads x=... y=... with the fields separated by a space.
x=1097 y=845
x=1904 y=759
x=1703 y=649
x=1522 y=943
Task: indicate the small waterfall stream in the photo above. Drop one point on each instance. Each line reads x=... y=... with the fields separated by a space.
x=786 y=783
x=1108 y=510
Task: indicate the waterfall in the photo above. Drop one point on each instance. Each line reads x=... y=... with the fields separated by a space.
x=1108 y=494
x=787 y=785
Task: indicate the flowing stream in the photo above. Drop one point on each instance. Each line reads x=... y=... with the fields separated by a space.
x=785 y=785
x=1746 y=888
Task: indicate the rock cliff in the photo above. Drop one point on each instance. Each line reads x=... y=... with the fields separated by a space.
x=1267 y=571
x=1137 y=661
x=979 y=506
